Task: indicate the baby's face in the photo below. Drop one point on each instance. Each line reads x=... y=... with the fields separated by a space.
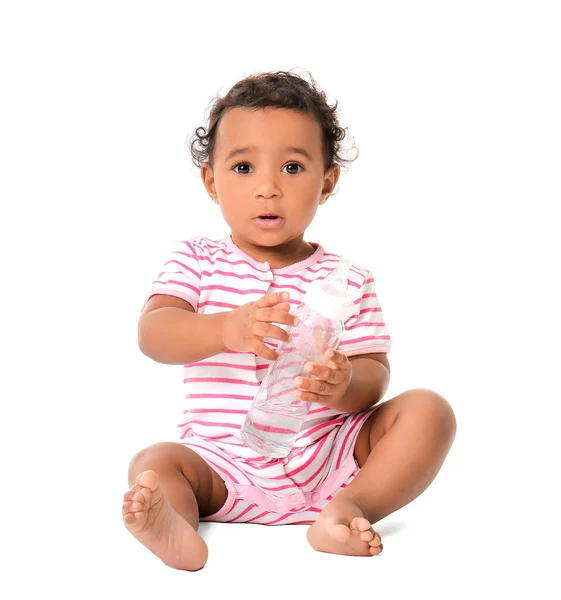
x=268 y=162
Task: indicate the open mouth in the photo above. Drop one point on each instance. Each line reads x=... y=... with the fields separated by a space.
x=268 y=221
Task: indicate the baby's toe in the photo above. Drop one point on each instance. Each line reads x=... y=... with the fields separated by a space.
x=137 y=493
x=376 y=549
x=135 y=512
x=367 y=536
x=364 y=528
x=129 y=518
x=361 y=524
x=376 y=544
x=148 y=479
x=135 y=489
x=142 y=496
x=128 y=498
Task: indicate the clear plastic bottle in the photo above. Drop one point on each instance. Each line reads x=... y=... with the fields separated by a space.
x=276 y=416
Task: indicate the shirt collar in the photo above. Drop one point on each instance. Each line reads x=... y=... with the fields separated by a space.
x=265 y=267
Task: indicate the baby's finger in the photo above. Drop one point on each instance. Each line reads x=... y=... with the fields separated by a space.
x=332 y=375
x=260 y=349
x=275 y=315
x=315 y=386
x=336 y=357
x=271 y=331
x=272 y=299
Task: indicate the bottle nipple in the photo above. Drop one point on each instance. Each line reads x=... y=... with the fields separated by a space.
x=330 y=297
x=336 y=282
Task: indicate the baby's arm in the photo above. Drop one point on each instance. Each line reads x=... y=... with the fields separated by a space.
x=170 y=332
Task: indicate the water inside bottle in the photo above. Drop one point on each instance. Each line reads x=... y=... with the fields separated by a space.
x=276 y=415
x=272 y=431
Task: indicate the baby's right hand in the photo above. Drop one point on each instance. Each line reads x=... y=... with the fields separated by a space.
x=246 y=326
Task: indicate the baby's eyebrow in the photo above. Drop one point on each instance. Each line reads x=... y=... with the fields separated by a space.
x=247 y=149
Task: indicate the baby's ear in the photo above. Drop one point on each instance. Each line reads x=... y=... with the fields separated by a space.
x=331 y=178
x=207 y=175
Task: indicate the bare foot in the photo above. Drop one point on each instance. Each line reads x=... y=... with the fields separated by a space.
x=342 y=528
x=150 y=518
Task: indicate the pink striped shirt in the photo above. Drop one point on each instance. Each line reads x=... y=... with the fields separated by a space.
x=216 y=275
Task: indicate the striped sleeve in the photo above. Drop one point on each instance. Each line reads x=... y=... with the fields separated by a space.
x=180 y=275
x=366 y=331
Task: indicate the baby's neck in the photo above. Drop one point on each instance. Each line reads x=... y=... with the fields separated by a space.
x=279 y=261
x=280 y=256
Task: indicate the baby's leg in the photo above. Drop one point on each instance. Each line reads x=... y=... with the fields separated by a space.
x=399 y=450
x=170 y=487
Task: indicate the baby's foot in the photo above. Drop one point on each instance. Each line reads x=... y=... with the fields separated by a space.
x=150 y=518
x=342 y=528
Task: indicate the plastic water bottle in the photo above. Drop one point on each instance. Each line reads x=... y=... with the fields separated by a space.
x=276 y=416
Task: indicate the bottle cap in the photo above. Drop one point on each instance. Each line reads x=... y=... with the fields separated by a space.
x=330 y=296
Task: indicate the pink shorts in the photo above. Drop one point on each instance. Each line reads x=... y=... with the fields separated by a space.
x=248 y=502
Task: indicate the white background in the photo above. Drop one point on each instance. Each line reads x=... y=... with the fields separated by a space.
x=455 y=108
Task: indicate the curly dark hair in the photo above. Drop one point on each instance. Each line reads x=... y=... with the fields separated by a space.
x=280 y=89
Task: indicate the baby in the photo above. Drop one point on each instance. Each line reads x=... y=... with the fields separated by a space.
x=269 y=157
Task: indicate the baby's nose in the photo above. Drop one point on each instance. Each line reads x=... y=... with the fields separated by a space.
x=267 y=188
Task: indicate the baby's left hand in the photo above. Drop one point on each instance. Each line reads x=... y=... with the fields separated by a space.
x=331 y=383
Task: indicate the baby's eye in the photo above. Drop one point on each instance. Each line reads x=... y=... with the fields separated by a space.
x=246 y=166
x=294 y=165
x=241 y=165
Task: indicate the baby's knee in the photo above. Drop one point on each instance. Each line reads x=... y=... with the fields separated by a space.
x=156 y=457
x=436 y=410
x=442 y=413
